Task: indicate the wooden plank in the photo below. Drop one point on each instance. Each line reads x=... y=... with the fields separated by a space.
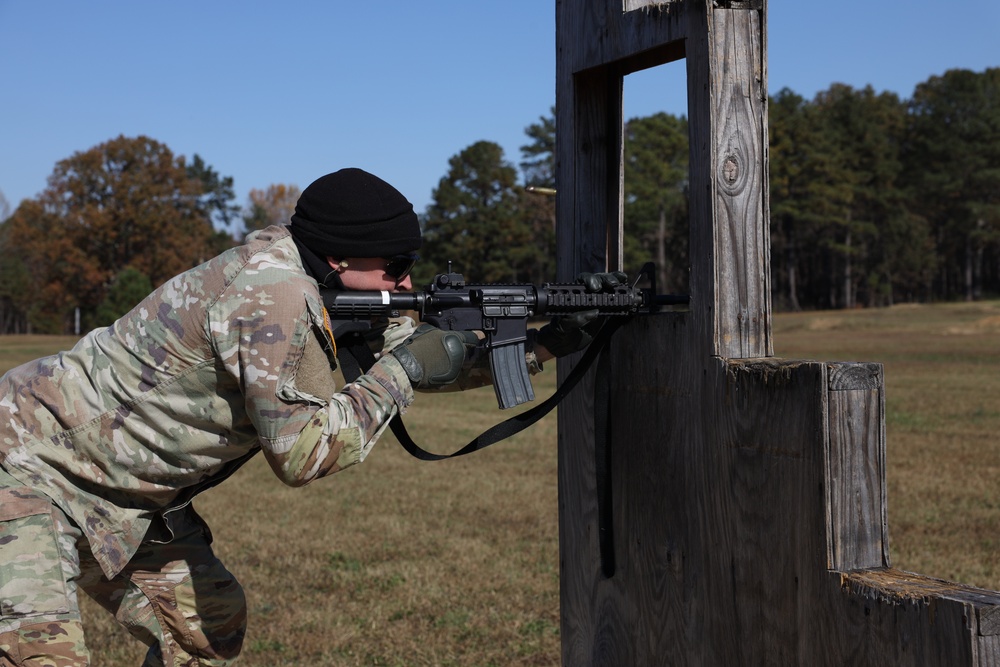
x=730 y=252
x=737 y=481
x=598 y=150
x=768 y=492
x=987 y=651
x=720 y=479
x=588 y=212
x=588 y=204
x=717 y=471
x=857 y=524
x=605 y=33
x=581 y=586
x=649 y=482
x=588 y=150
x=739 y=138
x=894 y=618
x=894 y=586
x=589 y=161
x=989 y=620
x=702 y=284
x=848 y=376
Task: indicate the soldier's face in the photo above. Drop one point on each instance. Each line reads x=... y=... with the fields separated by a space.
x=368 y=273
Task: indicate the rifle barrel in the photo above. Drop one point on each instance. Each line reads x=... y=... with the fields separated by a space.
x=548 y=299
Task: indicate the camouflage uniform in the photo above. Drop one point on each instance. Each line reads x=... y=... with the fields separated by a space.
x=105 y=446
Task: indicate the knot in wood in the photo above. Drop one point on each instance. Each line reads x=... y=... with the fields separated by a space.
x=730 y=169
x=732 y=174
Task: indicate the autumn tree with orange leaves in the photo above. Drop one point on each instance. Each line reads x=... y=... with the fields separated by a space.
x=128 y=203
x=273 y=206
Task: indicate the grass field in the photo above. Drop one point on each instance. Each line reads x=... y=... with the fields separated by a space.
x=942 y=376
x=400 y=562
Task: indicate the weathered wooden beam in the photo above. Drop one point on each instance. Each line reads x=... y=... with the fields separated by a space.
x=747 y=494
x=899 y=619
x=615 y=33
x=730 y=250
x=857 y=525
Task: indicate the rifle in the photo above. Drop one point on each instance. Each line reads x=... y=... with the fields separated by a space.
x=501 y=311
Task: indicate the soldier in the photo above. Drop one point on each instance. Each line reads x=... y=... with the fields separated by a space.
x=103 y=447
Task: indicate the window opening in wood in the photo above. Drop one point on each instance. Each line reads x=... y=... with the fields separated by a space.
x=656 y=174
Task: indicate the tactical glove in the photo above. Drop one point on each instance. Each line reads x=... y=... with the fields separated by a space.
x=567 y=334
x=432 y=357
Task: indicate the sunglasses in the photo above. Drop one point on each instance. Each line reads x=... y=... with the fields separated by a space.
x=399 y=266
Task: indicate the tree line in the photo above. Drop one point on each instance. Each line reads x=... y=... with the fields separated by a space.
x=877 y=200
x=874 y=200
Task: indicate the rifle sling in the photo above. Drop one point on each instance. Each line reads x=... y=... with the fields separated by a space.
x=361 y=359
x=602 y=467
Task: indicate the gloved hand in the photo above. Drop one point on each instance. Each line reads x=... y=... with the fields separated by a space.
x=432 y=357
x=567 y=334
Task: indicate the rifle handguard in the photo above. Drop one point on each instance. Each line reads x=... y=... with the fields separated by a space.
x=501 y=312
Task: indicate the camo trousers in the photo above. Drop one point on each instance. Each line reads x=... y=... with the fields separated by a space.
x=175 y=597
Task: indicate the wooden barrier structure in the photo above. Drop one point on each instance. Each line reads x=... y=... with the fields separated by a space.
x=740 y=500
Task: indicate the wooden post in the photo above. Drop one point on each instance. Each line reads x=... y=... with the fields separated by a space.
x=746 y=493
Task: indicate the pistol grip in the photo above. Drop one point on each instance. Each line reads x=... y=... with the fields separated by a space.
x=510 y=375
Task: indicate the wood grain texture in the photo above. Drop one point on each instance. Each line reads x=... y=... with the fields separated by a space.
x=588 y=203
x=721 y=474
x=738 y=140
x=701 y=199
x=748 y=493
x=889 y=617
x=730 y=253
x=857 y=518
x=717 y=479
x=849 y=376
x=615 y=36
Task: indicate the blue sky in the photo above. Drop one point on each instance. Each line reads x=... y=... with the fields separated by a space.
x=286 y=92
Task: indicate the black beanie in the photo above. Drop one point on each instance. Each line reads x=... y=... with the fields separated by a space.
x=351 y=213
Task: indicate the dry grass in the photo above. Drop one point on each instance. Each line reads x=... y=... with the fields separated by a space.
x=942 y=375
x=400 y=562
x=16 y=350
x=394 y=562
